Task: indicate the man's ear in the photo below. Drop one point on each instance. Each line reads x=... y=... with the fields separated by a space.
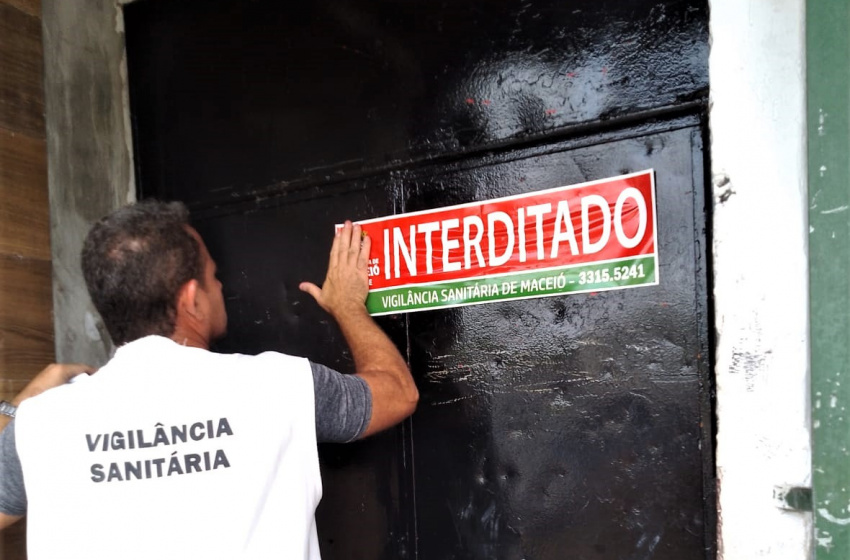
x=187 y=299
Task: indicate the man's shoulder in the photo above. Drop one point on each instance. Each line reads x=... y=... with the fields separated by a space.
x=270 y=369
x=259 y=361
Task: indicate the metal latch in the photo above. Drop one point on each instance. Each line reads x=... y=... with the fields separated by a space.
x=793 y=498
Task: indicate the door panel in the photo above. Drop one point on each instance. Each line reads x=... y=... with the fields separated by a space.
x=245 y=98
x=581 y=414
x=565 y=423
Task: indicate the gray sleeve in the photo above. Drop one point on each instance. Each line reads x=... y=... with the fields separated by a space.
x=343 y=405
x=13 y=498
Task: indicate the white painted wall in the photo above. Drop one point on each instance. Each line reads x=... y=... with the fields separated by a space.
x=758 y=143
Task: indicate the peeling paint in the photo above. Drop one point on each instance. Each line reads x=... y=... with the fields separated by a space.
x=823 y=512
x=825 y=541
x=119 y=20
x=91 y=326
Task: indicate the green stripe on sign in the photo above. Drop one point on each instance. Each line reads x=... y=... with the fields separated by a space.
x=625 y=273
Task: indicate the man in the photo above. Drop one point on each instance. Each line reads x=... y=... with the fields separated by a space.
x=172 y=451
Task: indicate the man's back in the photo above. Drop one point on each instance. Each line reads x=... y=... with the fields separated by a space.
x=174 y=452
x=171 y=451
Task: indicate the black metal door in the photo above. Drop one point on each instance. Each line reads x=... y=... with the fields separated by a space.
x=573 y=427
x=568 y=427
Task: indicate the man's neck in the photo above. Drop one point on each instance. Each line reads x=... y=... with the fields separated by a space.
x=190 y=337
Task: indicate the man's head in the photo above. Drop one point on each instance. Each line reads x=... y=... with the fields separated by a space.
x=148 y=272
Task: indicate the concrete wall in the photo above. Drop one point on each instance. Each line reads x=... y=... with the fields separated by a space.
x=757 y=76
x=90 y=168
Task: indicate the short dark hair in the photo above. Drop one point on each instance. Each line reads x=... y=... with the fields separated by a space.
x=135 y=260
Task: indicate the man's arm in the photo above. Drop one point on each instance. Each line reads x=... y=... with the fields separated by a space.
x=51 y=376
x=343 y=405
x=13 y=497
x=378 y=362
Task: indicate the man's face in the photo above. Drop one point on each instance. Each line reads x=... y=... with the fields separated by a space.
x=211 y=288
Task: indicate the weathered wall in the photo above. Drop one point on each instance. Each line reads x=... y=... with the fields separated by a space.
x=760 y=274
x=89 y=154
x=26 y=330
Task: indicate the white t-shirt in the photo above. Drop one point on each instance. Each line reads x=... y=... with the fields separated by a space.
x=174 y=452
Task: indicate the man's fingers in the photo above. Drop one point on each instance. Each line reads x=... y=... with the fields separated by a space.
x=70 y=371
x=354 y=248
x=65 y=371
x=365 y=248
x=311 y=289
x=344 y=241
x=334 y=257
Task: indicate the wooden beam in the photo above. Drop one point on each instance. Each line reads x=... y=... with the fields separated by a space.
x=31 y=7
x=24 y=208
x=26 y=322
x=21 y=81
x=13 y=544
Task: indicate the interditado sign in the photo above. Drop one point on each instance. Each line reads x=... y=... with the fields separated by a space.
x=589 y=237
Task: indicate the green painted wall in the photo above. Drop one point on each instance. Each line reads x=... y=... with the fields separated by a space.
x=828 y=87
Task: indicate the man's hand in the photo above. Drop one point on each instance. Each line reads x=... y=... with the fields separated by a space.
x=53 y=375
x=378 y=361
x=347 y=282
